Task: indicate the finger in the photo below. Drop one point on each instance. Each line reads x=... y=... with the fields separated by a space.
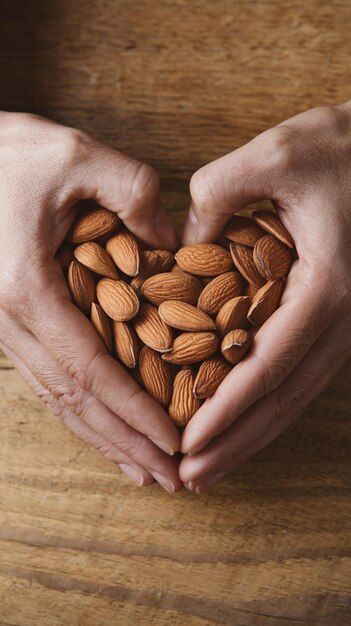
x=65 y=398
x=126 y=186
x=227 y=185
x=135 y=472
x=278 y=347
x=72 y=340
x=264 y=421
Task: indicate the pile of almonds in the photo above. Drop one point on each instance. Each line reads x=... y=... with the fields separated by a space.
x=179 y=322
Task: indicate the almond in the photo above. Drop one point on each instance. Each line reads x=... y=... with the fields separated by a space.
x=152 y=330
x=171 y=286
x=233 y=314
x=265 y=302
x=270 y=222
x=183 y=316
x=156 y=376
x=65 y=256
x=82 y=286
x=136 y=284
x=177 y=270
x=219 y=290
x=204 y=259
x=211 y=374
x=92 y=224
x=235 y=345
x=251 y=290
x=102 y=325
x=117 y=299
x=124 y=249
x=126 y=344
x=191 y=347
x=243 y=260
x=150 y=263
x=242 y=230
x=183 y=403
x=95 y=258
x=272 y=258
x=166 y=260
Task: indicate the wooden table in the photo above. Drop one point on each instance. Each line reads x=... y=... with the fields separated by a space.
x=176 y=83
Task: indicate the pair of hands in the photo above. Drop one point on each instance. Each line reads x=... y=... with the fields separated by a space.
x=303 y=165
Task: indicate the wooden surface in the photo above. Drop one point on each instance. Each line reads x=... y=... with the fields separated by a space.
x=177 y=83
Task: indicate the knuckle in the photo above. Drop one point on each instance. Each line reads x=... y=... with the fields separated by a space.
x=55 y=407
x=209 y=191
x=281 y=147
x=20 y=122
x=269 y=375
x=84 y=376
x=201 y=187
x=127 y=445
x=143 y=183
x=74 y=399
x=225 y=407
x=72 y=145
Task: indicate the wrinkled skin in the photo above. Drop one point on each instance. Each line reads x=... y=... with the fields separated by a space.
x=303 y=165
x=44 y=170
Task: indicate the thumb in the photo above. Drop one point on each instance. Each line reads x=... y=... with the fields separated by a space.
x=227 y=185
x=127 y=187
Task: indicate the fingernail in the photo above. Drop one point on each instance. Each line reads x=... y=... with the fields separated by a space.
x=162 y=445
x=209 y=481
x=165 y=230
x=132 y=473
x=164 y=482
x=189 y=486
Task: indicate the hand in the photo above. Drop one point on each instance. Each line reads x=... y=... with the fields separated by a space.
x=304 y=166
x=44 y=170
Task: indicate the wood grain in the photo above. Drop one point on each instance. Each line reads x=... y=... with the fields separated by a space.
x=177 y=84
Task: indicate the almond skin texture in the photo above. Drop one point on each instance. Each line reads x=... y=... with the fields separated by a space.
x=124 y=250
x=166 y=260
x=265 y=302
x=271 y=223
x=244 y=261
x=92 y=224
x=171 y=286
x=233 y=314
x=219 y=290
x=190 y=348
x=204 y=259
x=183 y=316
x=152 y=330
x=95 y=258
x=117 y=299
x=235 y=345
x=243 y=230
x=183 y=403
x=102 y=325
x=150 y=263
x=156 y=376
x=272 y=258
x=126 y=344
x=211 y=374
x=82 y=286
